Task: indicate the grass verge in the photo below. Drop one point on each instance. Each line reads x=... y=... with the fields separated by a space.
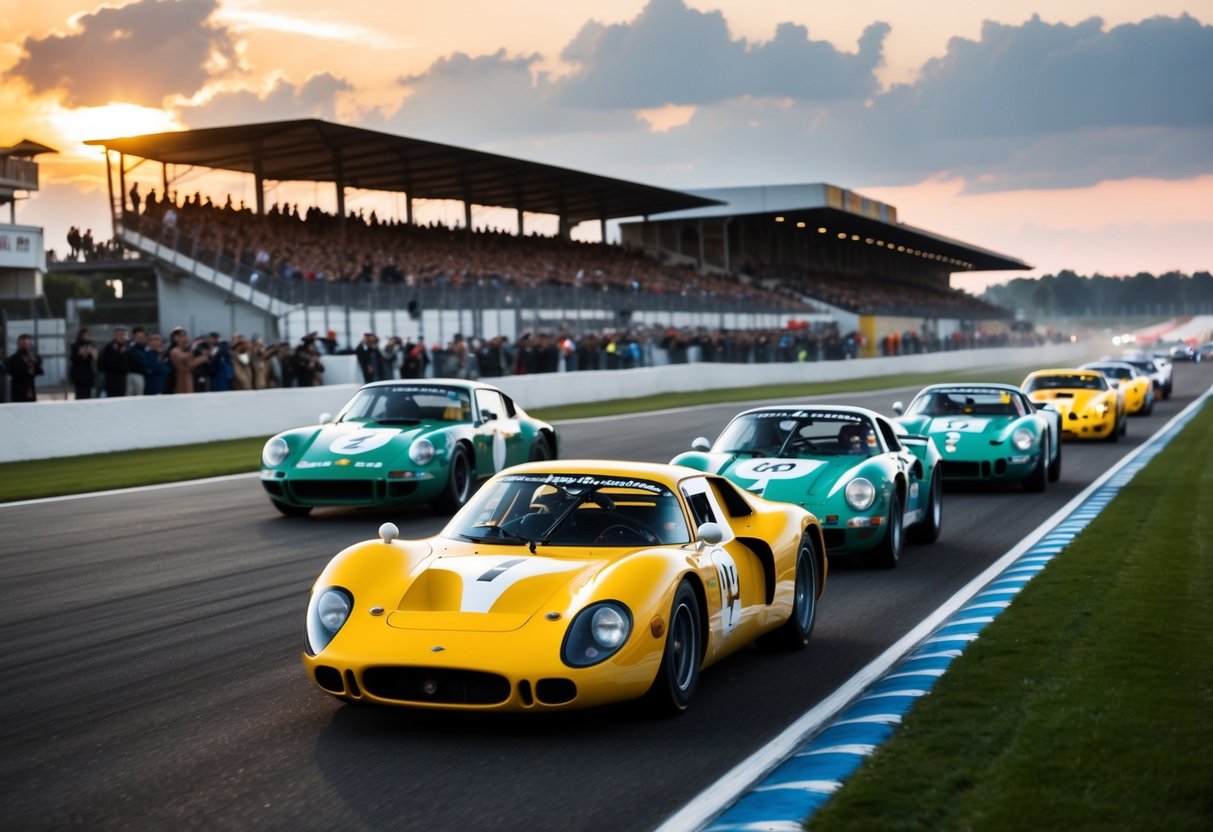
x=1088 y=704
x=125 y=469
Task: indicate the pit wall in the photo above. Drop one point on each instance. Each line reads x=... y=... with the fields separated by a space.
x=43 y=430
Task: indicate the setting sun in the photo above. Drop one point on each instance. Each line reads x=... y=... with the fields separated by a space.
x=116 y=119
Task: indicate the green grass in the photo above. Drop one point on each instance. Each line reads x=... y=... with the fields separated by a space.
x=1087 y=705
x=123 y=469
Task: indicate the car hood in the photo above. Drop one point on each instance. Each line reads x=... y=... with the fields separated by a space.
x=1068 y=401
x=791 y=480
x=355 y=445
x=487 y=592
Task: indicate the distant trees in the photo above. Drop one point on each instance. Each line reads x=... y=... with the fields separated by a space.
x=1069 y=294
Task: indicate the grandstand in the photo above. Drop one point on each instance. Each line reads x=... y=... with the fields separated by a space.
x=730 y=258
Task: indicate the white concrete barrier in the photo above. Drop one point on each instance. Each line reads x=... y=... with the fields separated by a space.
x=43 y=430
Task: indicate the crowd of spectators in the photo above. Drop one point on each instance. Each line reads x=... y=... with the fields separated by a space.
x=291 y=243
x=871 y=294
x=139 y=363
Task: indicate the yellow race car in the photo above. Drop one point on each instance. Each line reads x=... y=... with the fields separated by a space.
x=1136 y=387
x=1090 y=407
x=566 y=584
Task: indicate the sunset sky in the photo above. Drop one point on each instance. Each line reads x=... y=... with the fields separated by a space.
x=1074 y=134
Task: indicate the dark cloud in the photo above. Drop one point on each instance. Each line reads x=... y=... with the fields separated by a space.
x=317 y=98
x=672 y=54
x=488 y=99
x=140 y=53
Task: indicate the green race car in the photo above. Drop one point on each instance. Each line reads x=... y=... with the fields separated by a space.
x=988 y=432
x=403 y=442
x=866 y=481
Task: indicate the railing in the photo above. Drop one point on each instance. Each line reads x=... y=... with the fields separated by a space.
x=19 y=173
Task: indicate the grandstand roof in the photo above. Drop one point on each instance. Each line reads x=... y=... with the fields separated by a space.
x=820 y=205
x=311 y=150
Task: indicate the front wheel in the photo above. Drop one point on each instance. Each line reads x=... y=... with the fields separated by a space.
x=458 y=483
x=888 y=552
x=678 y=675
x=1038 y=480
x=927 y=530
x=794 y=633
x=290 y=510
x=1055 y=466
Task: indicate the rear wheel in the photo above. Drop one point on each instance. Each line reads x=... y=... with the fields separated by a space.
x=290 y=510
x=458 y=483
x=795 y=632
x=927 y=530
x=888 y=552
x=679 y=672
x=540 y=449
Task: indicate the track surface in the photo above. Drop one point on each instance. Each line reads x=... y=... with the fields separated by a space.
x=152 y=676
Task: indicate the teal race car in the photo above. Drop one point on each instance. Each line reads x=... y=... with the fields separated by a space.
x=988 y=433
x=403 y=442
x=868 y=483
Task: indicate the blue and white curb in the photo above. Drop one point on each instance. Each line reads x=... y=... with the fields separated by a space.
x=783 y=784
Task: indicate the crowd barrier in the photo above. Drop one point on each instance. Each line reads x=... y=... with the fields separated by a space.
x=44 y=430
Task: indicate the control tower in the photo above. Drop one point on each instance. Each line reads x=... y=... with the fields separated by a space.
x=22 y=253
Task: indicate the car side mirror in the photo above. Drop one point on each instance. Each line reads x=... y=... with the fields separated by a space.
x=710 y=534
x=325 y=418
x=701 y=444
x=899 y=408
x=487 y=416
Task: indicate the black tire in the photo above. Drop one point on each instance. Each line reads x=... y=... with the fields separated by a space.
x=672 y=689
x=794 y=633
x=1038 y=480
x=1114 y=435
x=540 y=449
x=1124 y=424
x=1055 y=466
x=1166 y=392
x=886 y=555
x=459 y=481
x=290 y=510
x=927 y=529
x=1149 y=408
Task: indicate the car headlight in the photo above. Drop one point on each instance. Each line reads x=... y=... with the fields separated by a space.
x=596 y=634
x=274 y=452
x=327 y=612
x=860 y=494
x=421 y=451
x=1101 y=408
x=1022 y=439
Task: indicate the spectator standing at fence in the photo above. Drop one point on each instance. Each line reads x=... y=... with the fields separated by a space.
x=221 y=369
x=73 y=241
x=136 y=378
x=370 y=359
x=156 y=368
x=23 y=367
x=115 y=363
x=307 y=365
x=457 y=357
x=82 y=365
x=4 y=388
x=393 y=354
x=184 y=360
x=242 y=364
x=259 y=360
x=415 y=359
x=135 y=198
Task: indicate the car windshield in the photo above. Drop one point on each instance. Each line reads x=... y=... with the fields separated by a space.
x=967 y=401
x=1067 y=381
x=1112 y=371
x=798 y=433
x=408 y=404
x=572 y=510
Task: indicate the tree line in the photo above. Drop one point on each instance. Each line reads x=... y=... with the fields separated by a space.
x=1072 y=295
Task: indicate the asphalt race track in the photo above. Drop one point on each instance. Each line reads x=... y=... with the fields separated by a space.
x=152 y=677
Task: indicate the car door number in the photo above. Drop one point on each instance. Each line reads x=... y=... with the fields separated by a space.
x=730 y=590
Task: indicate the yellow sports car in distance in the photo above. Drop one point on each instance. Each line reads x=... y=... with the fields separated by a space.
x=1090 y=407
x=566 y=584
x=1136 y=387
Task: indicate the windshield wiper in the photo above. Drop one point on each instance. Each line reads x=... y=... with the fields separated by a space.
x=750 y=451
x=501 y=536
x=399 y=421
